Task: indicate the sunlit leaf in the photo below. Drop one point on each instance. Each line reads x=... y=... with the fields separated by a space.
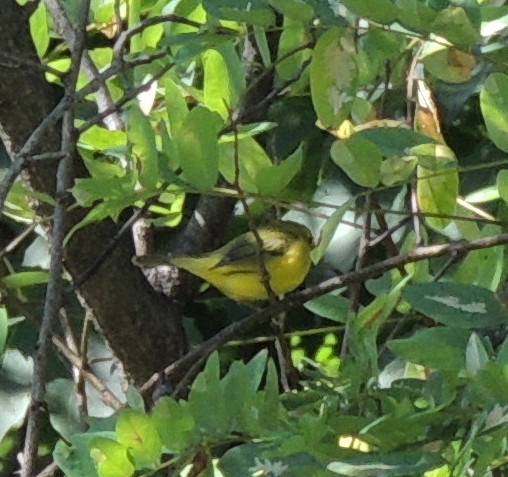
x=438 y=348
x=197 y=145
x=144 y=150
x=332 y=72
x=25 y=279
x=137 y=432
x=359 y=158
x=111 y=458
x=438 y=182
x=494 y=106
x=39 y=29
x=456 y=305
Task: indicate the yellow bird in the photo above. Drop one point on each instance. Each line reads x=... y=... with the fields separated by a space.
x=235 y=268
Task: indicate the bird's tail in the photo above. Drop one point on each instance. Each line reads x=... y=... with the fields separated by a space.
x=151 y=261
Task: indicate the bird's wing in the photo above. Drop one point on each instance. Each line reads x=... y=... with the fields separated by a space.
x=244 y=249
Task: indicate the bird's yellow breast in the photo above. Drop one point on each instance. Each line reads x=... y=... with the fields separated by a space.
x=244 y=283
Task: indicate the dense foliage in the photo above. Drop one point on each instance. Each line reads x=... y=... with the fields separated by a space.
x=381 y=125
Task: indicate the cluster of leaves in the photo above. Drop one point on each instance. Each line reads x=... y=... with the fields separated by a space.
x=167 y=142
x=343 y=66
x=410 y=423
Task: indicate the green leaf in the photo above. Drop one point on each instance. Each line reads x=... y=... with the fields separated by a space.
x=454 y=24
x=397 y=170
x=415 y=15
x=3 y=330
x=476 y=355
x=438 y=348
x=151 y=35
x=483 y=267
x=251 y=159
x=438 y=182
x=111 y=458
x=332 y=73
x=294 y=9
x=380 y=11
x=63 y=407
x=144 y=149
x=176 y=106
x=218 y=94
x=394 y=464
x=328 y=232
x=269 y=410
x=273 y=179
x=247 y=130
x=333 y=307
x=25 y=279
x=175 y=424
x=110 y=207
x=359 y=158
x=262 y=46
x=198 y=148
x=192 y=44
x=98 y=213
x=89 y=190
x=494 y=106
x=134 y=16
x=502 y=184
x=137 y=432
x=224 y=80
x=254 y=12
x=247 y=459
x=293 y=36
x=484 y=194
x=242 y=381
x=502 y=355
x=449 y=64
x=135 y=399
x=488 y=449
x=239 y=460
x=74 y=461
x=169 y=155
x=393 y=141
x=205 y=390
x=16 y=373
x=456 y=305
x=102 y=11
x=39 y=29
x=97 y=137
x=491 y=384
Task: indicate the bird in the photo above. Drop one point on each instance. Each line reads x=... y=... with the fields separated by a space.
x=235 y=269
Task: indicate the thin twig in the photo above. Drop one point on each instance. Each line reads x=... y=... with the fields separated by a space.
x=128 y=96
x=54 y=288
x=107 y=396
x=70 y=34
x=51 y=307
x=79 y=382
x=390 y=231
